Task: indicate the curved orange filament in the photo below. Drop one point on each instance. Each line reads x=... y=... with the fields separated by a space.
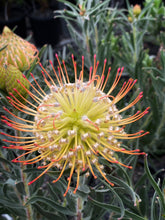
x=61 y=154
x=90 y=73
x=95 y=70
x=20 y=161
x=109 y=70
x=82 y=71
x=36 y=159
x=125 y=89
x=54 y=72
x=102 y=75
x=46 y=81
x=37 y=84
x=18 y=103
x=50 y=165
x=66 y=72
x=33 y=86
x=55 y=119
x=11 y=122
x=83 y=159
x=91 y=122
x=32 y=122
x=118 y=149
x=130 y=136
x=59 y=72
x=18 y=142
x=75 y=68
x=14 y=123
x=63 y=76
x=91 y=147
x=47 y=74
x=44 y=105
x=131 y=104
x=117 y=78
x=97 y=166
x=78 y=179
x=22 y=97
x=38 y=100
x=70 y=176
x=62 y=171
x=17 y=137
x=90 y=167
x=42 y=119
x=130 y=119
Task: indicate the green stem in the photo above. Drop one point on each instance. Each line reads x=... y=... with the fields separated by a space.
x=29 y=211
x=80 y=201
x=79 y=208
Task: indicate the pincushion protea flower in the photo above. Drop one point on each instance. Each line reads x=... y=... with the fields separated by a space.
x=18 y=51
x=75 y=123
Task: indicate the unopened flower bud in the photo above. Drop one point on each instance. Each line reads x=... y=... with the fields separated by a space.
x=2 y=77
x=18 y=52
x=15 y=82
x=136 y=10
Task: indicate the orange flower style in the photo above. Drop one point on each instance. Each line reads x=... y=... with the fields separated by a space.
x=74 y=123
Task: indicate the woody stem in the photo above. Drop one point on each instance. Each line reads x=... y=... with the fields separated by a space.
x=28 y=208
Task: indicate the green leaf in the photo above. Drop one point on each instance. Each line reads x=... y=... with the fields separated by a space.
x=10 y=182
x=116 y=209
x=20 y=187
x=122 y=210
x=48 y=214
x=51 y=203
x=127 y=189
x=153 y=206
x=42 y=50
x=154 y=184
x=11 y=204
x=3 y=160
x=8 y=174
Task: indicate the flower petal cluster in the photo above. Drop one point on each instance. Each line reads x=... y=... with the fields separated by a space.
x=75 y=123
x=18 y=52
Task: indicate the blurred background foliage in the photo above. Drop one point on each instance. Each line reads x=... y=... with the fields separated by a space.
x=135 y=39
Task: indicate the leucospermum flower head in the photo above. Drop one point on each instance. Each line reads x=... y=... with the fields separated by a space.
x=74 y=123
x=18 y=52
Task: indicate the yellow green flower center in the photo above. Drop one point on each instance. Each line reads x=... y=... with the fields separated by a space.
x=76 y=119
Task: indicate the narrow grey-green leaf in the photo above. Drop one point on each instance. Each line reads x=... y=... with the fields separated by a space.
x=154 y=184
x=10 y=203
x=51 y=203
x=48 y=214
x=116 y=209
